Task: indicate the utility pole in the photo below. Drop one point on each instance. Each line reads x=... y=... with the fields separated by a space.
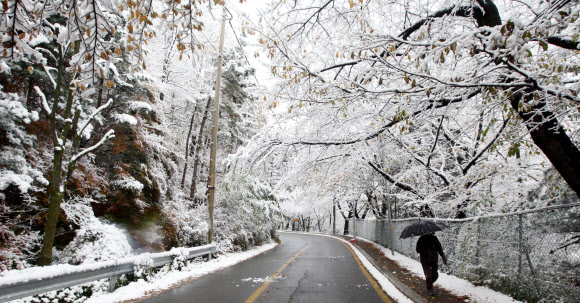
x=213 y=151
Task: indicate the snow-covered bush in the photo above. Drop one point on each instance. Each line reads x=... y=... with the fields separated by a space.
x=18 y=178
x=17 y=247
x=246 y=212
x=95 y=240
x=129 y=183
x=185 y=224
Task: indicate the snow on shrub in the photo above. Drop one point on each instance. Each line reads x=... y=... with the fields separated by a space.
x=245 y=214
x=124 y=118
x=129 y=183
x=18 y=243
x=95 y=240
x=185 y=223
x=20 y=249
x=139 y=105
x=12 y=115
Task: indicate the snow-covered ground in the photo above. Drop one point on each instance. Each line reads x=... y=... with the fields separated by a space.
x=160 y=282
x=451 y=283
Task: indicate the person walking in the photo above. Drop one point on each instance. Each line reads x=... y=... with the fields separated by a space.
x=429 y=247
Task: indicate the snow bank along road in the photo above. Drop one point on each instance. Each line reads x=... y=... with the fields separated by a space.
x=303 y=268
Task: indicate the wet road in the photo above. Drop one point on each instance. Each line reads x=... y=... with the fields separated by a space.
x=303 y=268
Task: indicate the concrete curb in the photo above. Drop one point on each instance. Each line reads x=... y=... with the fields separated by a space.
x=411 y=294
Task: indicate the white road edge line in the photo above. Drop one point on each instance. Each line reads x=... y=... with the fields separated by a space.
x=385 y=284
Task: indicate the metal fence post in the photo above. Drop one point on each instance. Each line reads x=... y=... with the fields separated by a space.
x=533 y=274
x=390 y=235
x=112 y=283
x=520 y=241
x=478 y=242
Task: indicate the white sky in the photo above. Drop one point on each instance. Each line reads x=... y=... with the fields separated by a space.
x=251 y=9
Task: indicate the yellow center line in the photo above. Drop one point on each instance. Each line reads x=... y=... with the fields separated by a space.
x=258 y=291
x=374 y=283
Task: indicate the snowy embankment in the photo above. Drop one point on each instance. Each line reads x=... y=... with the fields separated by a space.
x=453 y=284
x=40 y=273
x=164 y=279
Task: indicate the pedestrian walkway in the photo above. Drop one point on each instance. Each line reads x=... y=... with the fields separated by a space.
x=414 y=286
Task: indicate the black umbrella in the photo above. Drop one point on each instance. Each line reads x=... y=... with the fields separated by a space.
x=419 y=229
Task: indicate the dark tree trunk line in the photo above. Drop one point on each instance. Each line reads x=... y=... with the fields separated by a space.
x=198 y=146
x=346 y=218
x=543 y=126
x=56 y=192
x=187 y=143
x=548 y=134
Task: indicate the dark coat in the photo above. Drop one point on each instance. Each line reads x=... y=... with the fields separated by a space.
x=428 y=246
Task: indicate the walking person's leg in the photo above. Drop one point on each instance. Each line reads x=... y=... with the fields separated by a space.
x=435 y=268
x=428 y=271
x=435 y=275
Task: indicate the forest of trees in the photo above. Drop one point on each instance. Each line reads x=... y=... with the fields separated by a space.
x=439 y=108
x=105 y=126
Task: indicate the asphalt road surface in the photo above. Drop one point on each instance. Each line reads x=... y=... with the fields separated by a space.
x=303 y=268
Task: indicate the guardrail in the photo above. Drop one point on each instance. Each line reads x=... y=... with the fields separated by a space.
x=36 y=281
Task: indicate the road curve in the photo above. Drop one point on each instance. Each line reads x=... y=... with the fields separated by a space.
x=303 y=268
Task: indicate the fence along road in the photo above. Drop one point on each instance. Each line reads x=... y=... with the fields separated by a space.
x=523 y=254
x=40 y=280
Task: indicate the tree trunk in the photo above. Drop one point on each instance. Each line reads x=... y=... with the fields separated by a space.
x=187 y=147
x=548 y=134
x=198 y=150
x=56 y=192
x=29 y=92
x=345 y=230
x=100 y=95
x=55 y=199
x=61 y=135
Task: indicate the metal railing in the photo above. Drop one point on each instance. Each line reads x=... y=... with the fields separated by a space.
x=16 y=287
x=531 y=255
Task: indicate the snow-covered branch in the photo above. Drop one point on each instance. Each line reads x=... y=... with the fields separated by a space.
x=398 y=184
x=488 y=146
x=92 y=116
x=43 y=101
x=49 y=76
x=110 y=134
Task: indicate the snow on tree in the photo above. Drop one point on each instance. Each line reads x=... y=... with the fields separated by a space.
x=19 y=180
x=458 y=101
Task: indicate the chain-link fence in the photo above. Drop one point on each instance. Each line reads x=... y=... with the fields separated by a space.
x=531 y=255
